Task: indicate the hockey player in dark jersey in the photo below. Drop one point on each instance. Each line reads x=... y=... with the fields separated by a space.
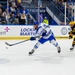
x=72 y=34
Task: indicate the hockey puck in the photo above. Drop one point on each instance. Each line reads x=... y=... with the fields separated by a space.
x=6 y=47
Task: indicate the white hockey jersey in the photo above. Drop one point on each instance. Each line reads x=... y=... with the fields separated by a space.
x=42 y=28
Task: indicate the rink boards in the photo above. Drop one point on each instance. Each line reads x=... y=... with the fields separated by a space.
x=19 y=32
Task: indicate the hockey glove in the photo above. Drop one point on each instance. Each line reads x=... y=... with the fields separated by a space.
x=70 y=32
x=32 y=38
x=70 y=37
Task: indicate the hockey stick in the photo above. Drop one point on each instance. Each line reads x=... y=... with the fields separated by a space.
x=16 y=43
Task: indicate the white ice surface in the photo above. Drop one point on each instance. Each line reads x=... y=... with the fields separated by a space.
x=45 y=61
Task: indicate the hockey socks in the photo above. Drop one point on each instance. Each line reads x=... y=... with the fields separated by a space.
x=56 y=45
x=72 y=47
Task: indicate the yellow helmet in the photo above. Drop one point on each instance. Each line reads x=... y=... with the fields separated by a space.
x=72 y=23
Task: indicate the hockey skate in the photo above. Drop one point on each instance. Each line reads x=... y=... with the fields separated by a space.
x=59 y=49
x=31 y=52
x=71 y=48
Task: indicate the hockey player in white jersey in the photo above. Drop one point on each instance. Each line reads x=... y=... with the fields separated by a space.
x=46 y=34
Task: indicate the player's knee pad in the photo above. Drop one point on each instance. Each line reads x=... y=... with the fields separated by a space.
x=54 y=43
x=37 y=45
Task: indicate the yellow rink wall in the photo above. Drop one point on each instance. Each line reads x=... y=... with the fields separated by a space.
x=18 y=32
x=24 y=38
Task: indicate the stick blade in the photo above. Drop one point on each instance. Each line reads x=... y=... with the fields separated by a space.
x=8 y=44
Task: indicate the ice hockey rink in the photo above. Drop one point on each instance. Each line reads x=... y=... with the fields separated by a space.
x=45 y=61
